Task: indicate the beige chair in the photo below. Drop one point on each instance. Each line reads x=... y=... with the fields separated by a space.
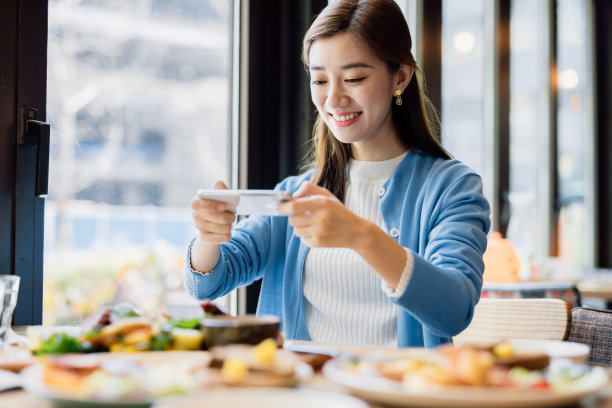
x=501 y=319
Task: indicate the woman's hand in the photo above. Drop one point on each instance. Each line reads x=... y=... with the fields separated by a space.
x=212 y=218
x=321 y=220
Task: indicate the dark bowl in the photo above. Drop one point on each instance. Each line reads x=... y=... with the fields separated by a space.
x=244 y=329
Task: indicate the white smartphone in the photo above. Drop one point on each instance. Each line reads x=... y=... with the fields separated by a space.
x=248 y=202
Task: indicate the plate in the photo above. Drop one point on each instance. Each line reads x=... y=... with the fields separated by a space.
x=336 y=350
x=577 y=352
x=165 y=373
x=393 y=393
x=32 y=377
x=262 y=398
x=32 y=382
x=16 y=360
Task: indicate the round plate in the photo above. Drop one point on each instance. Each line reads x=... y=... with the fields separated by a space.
x=393 y=393
x=32 y=382
x=262 y=398
x=577 y=352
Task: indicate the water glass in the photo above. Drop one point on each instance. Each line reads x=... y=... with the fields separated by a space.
x=10 y=289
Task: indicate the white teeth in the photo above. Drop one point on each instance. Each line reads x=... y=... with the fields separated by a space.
x=344 y=118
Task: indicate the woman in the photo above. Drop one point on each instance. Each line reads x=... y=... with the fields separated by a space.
x=383 y=242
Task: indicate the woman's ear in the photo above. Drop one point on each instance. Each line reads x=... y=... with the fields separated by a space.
x=403 y=76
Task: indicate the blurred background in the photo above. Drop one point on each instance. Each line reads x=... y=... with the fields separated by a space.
x=150 y=100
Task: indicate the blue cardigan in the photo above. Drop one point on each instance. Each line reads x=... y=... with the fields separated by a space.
x=442 y=217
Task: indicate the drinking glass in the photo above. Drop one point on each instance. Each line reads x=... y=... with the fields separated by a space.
x=11 y=287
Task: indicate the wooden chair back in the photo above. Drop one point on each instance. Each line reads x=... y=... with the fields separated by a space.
x=502 y=319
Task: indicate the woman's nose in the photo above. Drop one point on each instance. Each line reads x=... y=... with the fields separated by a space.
x=336 y=97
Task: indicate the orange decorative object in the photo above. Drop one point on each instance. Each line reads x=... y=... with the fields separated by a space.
x=502 y=264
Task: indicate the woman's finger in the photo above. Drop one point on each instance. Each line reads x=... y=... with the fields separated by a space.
x=307 y=189
x=306 y=204
x=217 y=217
x=206 y=226
x=201 y=204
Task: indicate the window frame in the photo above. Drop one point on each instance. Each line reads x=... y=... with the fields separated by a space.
x=24 y=77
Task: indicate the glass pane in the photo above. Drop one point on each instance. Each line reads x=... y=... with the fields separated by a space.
x=409 y=8
x=528 y=127
x=463 y=76
x=572 y=121
x=139 y=101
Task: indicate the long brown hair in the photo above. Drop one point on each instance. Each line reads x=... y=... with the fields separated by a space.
x=381 y=26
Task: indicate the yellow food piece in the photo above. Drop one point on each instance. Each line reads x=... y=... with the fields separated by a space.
x=187 y=339
x=123 y=348
x=234 y=370
x=265 y=352
x=503 y=350
x=138 y=336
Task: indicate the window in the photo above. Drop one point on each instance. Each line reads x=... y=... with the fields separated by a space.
x=575 y=170
x=463 y=84
x=550 y=195
x=139 y=102
x=409 y=8
x=529 y=132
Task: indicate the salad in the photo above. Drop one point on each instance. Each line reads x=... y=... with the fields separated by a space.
x=123 y=329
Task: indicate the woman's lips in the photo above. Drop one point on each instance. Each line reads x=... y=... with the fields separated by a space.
x=347 y=122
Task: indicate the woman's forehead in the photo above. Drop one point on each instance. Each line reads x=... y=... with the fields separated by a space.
x=342 y=51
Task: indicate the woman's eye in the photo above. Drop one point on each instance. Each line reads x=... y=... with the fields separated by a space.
x=354 y=80
x=316 y=82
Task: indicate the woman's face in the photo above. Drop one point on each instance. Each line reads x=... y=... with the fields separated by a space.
x=353 y=90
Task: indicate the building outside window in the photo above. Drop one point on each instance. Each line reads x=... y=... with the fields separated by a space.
x=139 y=102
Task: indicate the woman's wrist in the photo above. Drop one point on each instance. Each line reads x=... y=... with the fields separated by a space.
x=381 y=252
x=365 y=236
x=204 y=256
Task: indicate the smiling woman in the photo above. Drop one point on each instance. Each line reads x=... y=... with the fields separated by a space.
x=383 y=240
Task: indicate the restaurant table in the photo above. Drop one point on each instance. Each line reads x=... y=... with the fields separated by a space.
x=596 y=288
x=22 y=399
x=571 y=291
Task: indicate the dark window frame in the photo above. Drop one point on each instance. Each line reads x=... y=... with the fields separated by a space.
x=23 y=83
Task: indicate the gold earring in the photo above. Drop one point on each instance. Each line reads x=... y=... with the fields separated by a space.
x=398 y=97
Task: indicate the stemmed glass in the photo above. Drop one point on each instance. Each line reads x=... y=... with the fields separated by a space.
x=11 y=288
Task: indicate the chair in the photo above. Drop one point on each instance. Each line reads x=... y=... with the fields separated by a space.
x=501 y=319
x=594 y=328
x=566 y=291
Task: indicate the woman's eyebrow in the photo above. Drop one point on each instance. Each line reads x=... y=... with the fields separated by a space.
x=346 y=66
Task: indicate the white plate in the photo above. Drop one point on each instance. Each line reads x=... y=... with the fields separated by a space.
x=32 y=382
x=577 y=352
x=337 y=350
x=262 y=398
x=393 y=393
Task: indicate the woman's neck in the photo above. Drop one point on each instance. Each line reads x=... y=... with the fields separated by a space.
x=380 y=152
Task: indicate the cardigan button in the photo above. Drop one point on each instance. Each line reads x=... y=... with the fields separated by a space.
x=394 y=232
x=381 y=191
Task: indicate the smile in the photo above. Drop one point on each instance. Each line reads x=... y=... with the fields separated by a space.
x=346 y=119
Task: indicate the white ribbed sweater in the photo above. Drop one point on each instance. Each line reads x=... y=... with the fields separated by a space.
x=345 y=301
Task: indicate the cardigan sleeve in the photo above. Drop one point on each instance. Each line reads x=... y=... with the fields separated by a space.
x=447 y=273
x=241 y=261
